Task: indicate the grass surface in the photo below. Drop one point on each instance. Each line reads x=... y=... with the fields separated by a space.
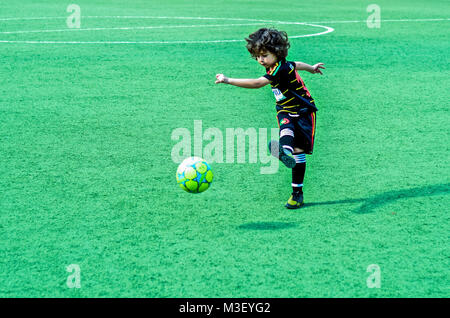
x=86 y=175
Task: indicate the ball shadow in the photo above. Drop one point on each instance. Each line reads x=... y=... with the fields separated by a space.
x=270 y=226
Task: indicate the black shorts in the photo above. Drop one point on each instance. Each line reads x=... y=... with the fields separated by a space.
x=303 y=126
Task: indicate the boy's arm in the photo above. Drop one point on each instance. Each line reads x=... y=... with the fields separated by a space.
x=310 y=68
x=241 y=82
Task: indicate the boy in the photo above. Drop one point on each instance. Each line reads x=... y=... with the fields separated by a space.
x=296 y=111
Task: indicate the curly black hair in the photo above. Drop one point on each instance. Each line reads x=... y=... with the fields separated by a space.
x=268 y=39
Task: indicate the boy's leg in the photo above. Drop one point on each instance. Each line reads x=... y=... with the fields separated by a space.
x=286 y=144
x=287 y=128
x=304 y=141
x=304 y=133
x=298 y=174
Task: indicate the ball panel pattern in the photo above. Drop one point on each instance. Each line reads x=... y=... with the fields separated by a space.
x=194 y=175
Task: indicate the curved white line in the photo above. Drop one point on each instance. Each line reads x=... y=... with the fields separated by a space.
x=327 y=30
x=314 y=24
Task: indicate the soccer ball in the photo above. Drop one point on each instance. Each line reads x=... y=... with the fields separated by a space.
x=194 y=175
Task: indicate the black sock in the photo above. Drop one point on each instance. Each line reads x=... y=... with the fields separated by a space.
x=298 y=173
x=287 y=139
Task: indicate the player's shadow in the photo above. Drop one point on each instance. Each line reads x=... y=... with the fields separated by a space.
x=372 y=203
x=368 y=204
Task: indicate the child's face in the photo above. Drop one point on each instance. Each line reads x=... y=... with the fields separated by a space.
x=266 y=59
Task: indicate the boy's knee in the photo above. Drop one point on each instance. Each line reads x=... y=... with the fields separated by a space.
x=298 y=150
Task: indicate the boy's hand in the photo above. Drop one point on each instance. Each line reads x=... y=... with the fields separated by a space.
x=317 y=67
x=221 y=79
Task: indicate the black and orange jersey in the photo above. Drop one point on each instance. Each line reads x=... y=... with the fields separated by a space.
x=290 y=91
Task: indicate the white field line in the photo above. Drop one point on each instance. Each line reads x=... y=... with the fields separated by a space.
x=259 y=22
x=121 y=42
x=209 y=18
x=135 y=28
x=387 y=20
x=128 y=17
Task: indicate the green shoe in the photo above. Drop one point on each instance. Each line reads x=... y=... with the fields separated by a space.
x=295 y=201
x=279 y=152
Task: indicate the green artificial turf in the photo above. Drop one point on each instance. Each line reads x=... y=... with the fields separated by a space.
x=87 y=177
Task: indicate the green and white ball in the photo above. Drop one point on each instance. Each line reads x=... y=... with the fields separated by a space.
x=194 y=175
